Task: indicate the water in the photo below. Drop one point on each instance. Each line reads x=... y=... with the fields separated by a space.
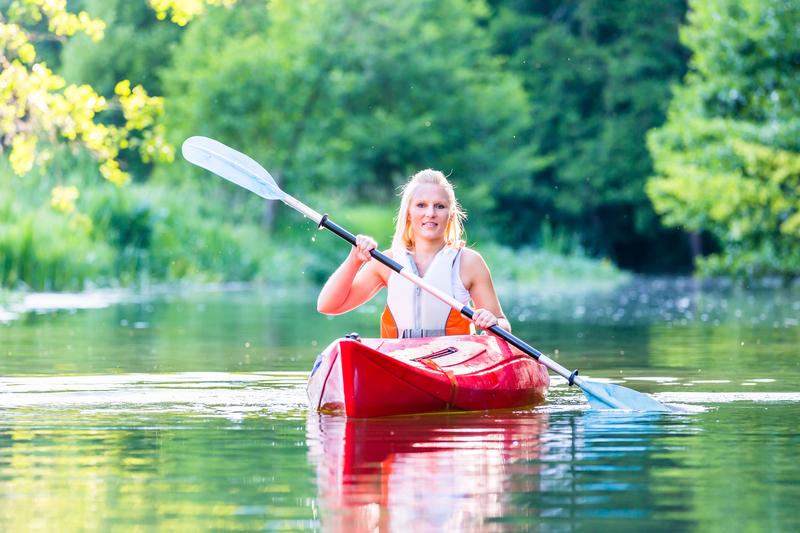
x=186 y=411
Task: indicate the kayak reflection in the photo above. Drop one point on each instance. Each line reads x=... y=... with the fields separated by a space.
x=423 y=473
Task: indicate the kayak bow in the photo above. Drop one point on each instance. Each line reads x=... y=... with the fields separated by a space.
x=365 y=378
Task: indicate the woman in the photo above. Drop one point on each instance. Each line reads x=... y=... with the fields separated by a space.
x=428 y=240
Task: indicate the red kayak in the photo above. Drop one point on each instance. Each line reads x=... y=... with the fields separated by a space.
x=380 y=377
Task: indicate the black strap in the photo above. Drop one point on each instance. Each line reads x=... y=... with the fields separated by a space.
x=572 y=378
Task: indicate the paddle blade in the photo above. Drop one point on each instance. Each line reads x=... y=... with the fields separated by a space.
x=232 y=165
x=608 y=396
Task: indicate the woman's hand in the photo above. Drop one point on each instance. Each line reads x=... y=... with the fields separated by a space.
x=363 y=246
x=484 y=319
x=351 y=285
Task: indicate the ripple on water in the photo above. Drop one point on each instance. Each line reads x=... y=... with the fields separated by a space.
x=212 y=393
x=279 y=393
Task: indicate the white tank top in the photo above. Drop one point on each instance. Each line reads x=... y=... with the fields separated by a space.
x=460 y=292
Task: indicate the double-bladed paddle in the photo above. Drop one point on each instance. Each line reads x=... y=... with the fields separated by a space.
x=243 y=171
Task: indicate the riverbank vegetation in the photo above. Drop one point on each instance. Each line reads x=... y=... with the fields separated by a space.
x=146 y=233
x=539 y=111
x=728 y=158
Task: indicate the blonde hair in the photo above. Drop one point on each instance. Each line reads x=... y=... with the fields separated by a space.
x=404 y=233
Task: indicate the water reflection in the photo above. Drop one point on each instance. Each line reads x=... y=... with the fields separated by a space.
x=79 y=470
x=497 y=472
x=424 y=473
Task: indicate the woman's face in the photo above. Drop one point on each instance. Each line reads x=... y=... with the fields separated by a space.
x=429 y=211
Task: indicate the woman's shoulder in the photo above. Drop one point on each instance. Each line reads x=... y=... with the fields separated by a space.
x=472 y=261
x=469 y=254
x=474 y=272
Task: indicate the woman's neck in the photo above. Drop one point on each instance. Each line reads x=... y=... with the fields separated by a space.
x=423 y=253
x=423 y=248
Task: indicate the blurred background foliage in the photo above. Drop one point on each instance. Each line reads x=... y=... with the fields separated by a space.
x=573 y=130
x=728 y=158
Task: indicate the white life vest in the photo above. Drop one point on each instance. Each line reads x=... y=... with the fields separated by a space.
x=412 y=312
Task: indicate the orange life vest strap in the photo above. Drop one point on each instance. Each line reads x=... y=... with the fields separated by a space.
x=388 y=325
x=457 y=324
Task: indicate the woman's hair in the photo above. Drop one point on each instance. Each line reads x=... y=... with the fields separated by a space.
x=404 y=233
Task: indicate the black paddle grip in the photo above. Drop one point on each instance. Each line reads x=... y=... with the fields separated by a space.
x=336 y=229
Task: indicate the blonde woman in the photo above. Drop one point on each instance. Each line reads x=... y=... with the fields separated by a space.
x=427 y=239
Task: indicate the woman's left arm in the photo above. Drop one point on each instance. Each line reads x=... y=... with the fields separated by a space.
x=478 y=281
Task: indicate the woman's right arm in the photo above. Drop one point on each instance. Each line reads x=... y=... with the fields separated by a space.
x=351 y=285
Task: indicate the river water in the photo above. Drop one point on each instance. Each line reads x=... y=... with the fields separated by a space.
x=185 y=411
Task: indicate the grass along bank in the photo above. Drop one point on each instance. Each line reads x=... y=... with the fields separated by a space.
x=210 y=232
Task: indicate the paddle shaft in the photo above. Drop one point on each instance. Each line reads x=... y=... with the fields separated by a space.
x=452 y=302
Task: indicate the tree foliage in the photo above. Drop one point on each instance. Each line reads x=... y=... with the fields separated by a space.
x=333 y=96
x=597 y=73
x=537 y=110
x=182 y=11
x=39 y=110
x=136 y=46
x=727 y=160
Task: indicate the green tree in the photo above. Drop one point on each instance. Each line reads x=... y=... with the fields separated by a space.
x=135 y=47
x=49 y=128
x=39 y=111
x=597 y=73
x=727 y=159
x=336 y=96
x=182 y=11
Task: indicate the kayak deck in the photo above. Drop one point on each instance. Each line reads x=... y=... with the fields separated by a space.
x=381 y=377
